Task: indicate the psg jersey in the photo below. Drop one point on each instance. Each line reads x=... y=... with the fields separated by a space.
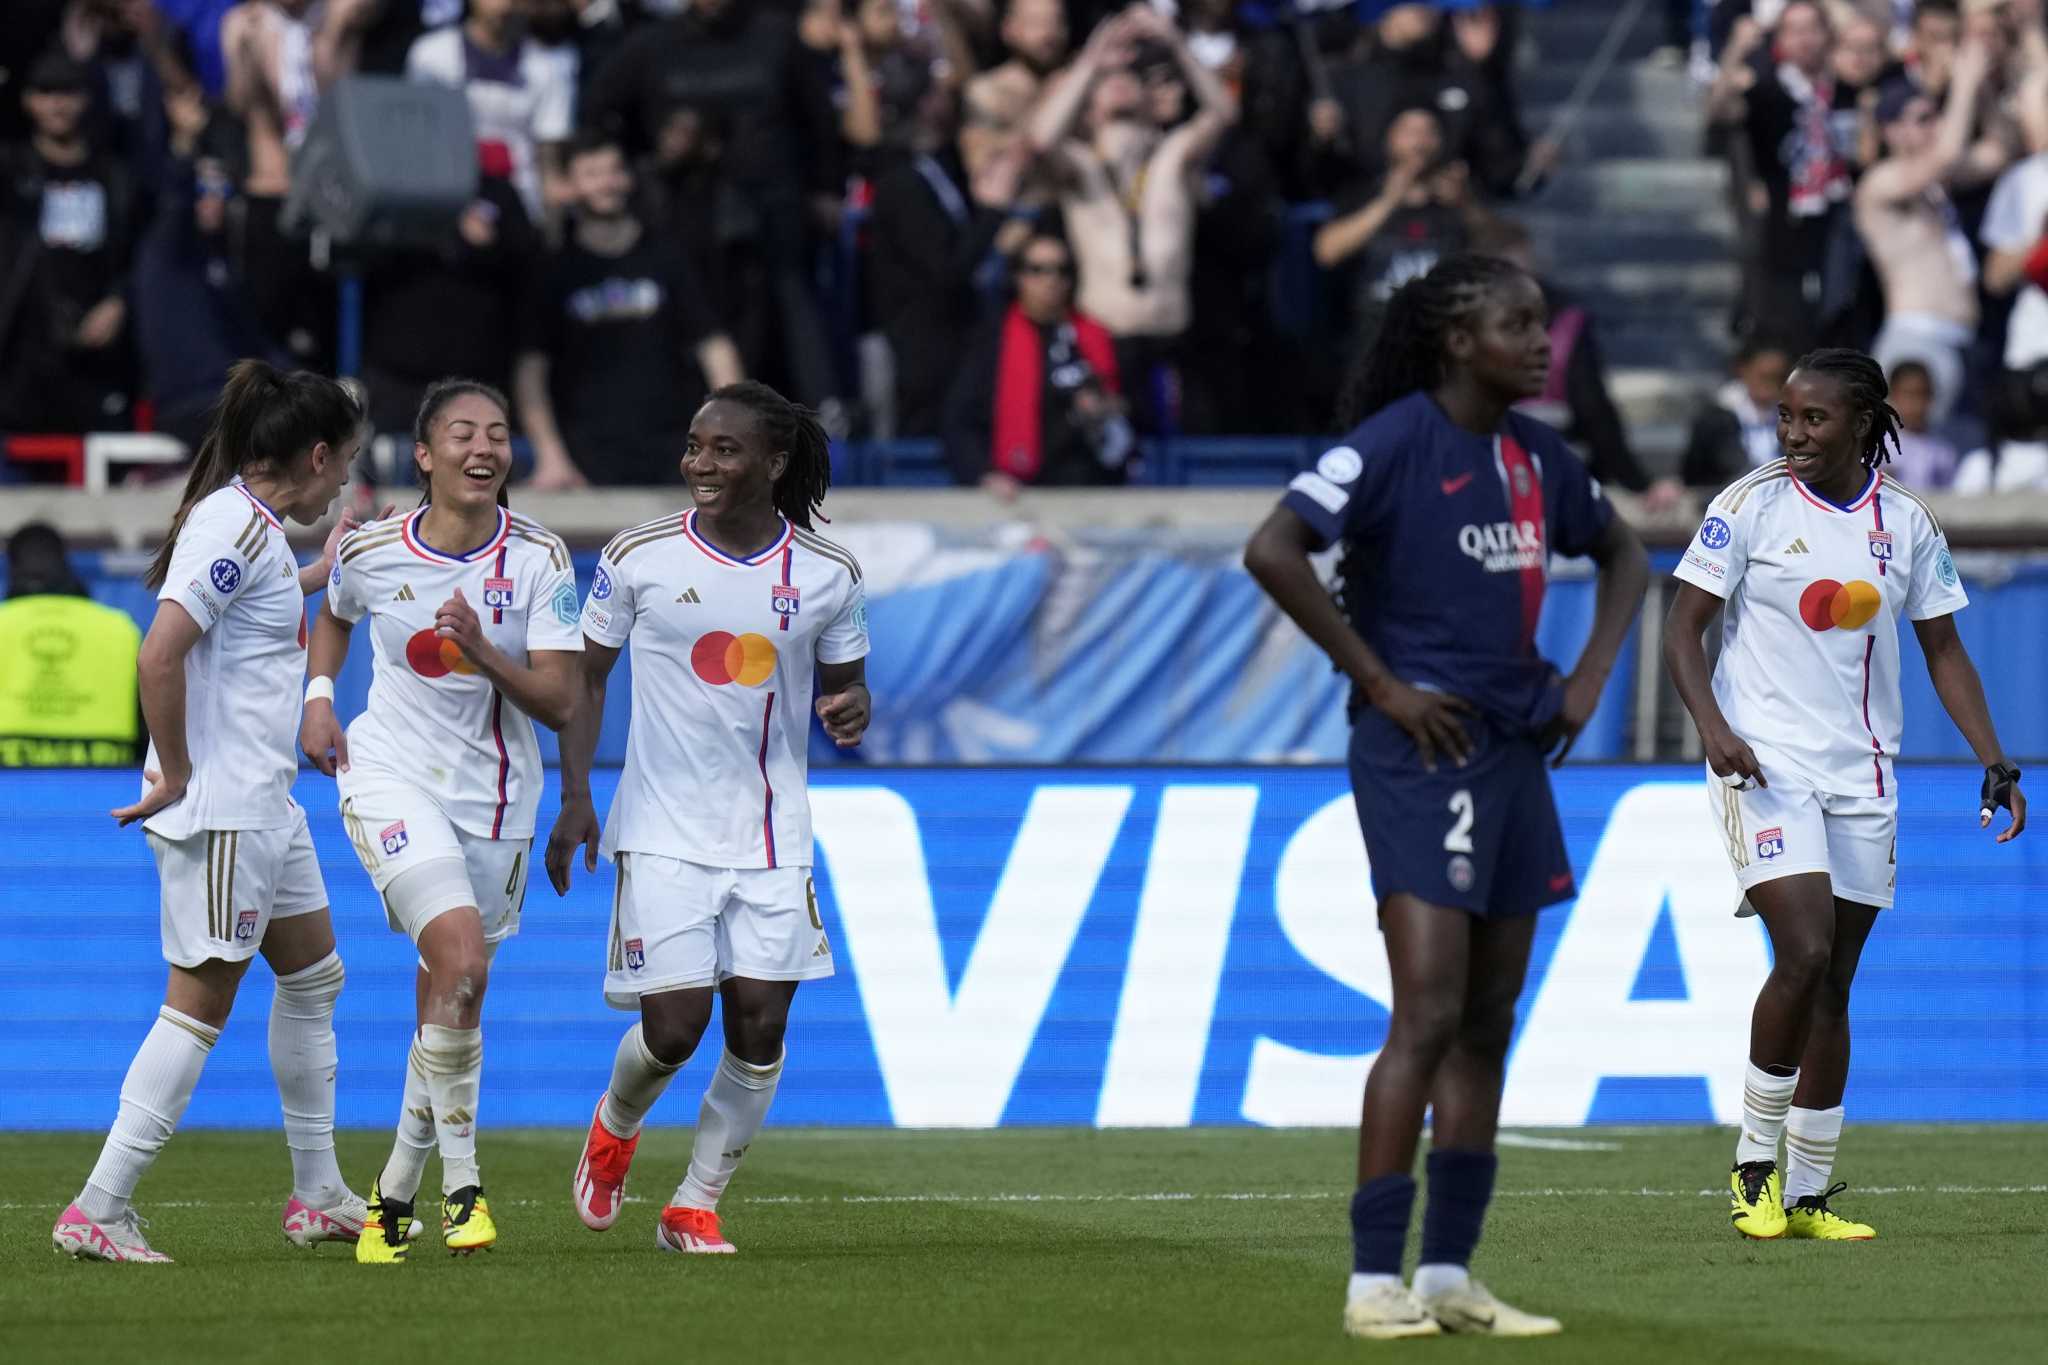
x=1448 y=536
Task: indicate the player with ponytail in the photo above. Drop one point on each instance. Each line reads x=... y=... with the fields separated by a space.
x=219 y=676
x=1448 y=505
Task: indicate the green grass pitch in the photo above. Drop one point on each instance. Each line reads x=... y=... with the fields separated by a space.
x=1044 y=1246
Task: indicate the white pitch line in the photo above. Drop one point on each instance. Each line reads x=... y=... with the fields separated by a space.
x=1142 y=1197
x=1553 y=1144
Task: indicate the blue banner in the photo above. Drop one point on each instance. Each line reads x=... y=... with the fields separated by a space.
x=1156 y=946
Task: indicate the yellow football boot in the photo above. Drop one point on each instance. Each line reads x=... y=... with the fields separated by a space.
x=1756 y=1203
x=466 y=1224
x=387 y=1230
x=1812 y=1219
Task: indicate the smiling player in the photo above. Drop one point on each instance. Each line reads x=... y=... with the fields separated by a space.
x=473 y=624
x=1814 y=556
x=732 y=608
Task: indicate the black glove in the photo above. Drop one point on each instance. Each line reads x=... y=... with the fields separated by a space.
x=1999 y=780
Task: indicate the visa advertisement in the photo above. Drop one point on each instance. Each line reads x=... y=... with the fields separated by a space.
x=1116 y=947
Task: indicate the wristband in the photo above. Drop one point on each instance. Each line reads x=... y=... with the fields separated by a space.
x=1999 y=780
x=319 y=689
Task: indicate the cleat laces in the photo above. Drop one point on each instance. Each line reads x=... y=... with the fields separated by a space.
x=1817 y=1204
x=1755 y=1174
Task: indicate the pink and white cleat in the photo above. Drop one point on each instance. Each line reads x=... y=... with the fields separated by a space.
x=692 y=1231
x=306 y=1226
x=599 y=1190
x=82 y=1239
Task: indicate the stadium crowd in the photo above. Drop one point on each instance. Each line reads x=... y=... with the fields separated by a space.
x=1037 y=230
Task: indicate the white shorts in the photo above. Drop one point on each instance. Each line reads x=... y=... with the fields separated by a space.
x=678 y=924
x=1783 y=830
x=424 y=866
x=222 y=887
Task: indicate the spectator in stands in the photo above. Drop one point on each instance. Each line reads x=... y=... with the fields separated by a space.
x=376 y=36
x=521 y=98
x=271 y=86
x=451 y=309
x=741 y=66
x=191 y=318
x=28 y=28
x=1576 y=400
x=1038 y=399
x=930 y=246
x=1418 y=58
x=1926 y=457
x=67 y=665
x=1911 y=230
x=83 y=203
x=1778 y=89
x=1738 y=431
x=999 y=101
x=2015 y=238
x=617 y=350
x=1127 y=190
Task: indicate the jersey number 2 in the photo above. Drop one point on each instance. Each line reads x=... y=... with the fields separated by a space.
x=1459 y=840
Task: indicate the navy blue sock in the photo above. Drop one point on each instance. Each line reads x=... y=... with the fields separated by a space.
x=1379 y=1224
x=1460 y=1188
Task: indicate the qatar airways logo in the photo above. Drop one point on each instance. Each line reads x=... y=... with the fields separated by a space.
x=1504 y=546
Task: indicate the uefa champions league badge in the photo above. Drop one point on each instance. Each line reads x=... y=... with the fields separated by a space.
x=226 y=575
x=1714 y=534
x=1945 y=569
x=1881 y=545
x=1770 y=843
x=783 y=598
x=601 y=586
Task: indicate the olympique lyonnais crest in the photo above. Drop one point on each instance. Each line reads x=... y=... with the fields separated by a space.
x=636 y=954
x=783 y=598
x=245 y=926
x=394 y=838
x=498 y=593
x=1881 y=545
x=1770 y=842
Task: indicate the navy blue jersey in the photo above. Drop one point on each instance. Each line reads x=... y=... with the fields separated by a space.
x=1448 y=537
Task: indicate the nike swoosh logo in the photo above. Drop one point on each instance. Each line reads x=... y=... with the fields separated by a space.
x=1453 y=485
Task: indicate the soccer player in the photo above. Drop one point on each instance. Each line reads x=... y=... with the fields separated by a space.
x=219 y=680
x=1449 y=505
x=473 y=614
x=731 y=607
x=1811 y=559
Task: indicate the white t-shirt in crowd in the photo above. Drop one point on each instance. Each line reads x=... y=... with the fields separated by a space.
x=237 y=579
x=2014 y=220
x=725 y=651
x=1809 y=669
x=433 y=723
x=518 y=101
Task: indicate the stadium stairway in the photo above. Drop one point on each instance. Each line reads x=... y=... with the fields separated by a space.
x=1636 y=221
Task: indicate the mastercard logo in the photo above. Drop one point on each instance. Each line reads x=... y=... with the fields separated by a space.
x=1828 y=605
x=433 y=657
x=722 y=657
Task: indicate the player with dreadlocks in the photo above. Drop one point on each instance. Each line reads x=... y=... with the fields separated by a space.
x=1809 y=560
x=1449 y=505
x=732 y=607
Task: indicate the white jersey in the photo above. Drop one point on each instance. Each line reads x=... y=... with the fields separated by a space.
x=517 y=100
x=236 y=578
x=433 y=722
x=724 y=656
x=1809 y=669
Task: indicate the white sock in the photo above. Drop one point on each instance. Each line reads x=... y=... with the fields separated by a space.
x=154 y=1094
x=1361 y=1285
x=454 y=1065
x=638 y=1078
x=401 y=1176
x=303 y=1058
x=1432 y=1280
x=735 y=1103
x=1765 y=1098
x=1811 y=1136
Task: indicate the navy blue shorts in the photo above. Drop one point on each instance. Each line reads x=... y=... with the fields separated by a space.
x=1483 y=838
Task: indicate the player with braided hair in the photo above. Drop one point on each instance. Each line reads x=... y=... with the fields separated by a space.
x=1809 y=560
x=1449 y=505
x=734 y=609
